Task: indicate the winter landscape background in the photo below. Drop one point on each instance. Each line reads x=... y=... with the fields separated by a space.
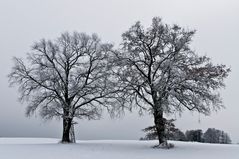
x=23 y=22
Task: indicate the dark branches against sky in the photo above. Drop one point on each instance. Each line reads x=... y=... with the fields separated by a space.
x=164 y=75
x=66 y=78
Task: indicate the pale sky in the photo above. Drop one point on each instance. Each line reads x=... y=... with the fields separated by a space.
x=26 y=21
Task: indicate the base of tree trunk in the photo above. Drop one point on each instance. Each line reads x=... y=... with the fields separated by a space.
x=66 y=139
x=66 y=142
x=164 y=145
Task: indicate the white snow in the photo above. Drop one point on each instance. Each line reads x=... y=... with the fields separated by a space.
x=41 y=148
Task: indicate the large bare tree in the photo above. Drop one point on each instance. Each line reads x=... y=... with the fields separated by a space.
x=65 y=78
x=160 y=73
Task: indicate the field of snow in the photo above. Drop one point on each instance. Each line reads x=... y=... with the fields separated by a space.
x=41 y=148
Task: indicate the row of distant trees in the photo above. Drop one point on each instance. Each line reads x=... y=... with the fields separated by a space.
x=212 y=135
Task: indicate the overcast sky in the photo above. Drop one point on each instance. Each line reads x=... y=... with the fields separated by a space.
x=26 y=21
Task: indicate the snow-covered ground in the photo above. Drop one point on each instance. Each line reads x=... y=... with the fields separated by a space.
x=39 y=148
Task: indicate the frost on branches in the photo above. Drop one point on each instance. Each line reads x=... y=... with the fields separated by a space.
x=161 y=74
x=66 y=78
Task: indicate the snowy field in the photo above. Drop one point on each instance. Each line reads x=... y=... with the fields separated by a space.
x=39 y=148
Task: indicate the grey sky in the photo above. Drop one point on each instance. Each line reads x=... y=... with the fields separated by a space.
x=23 y=22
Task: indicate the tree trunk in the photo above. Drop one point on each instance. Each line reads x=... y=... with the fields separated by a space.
x=72 y=133
x=67 y=122
x=160 y=127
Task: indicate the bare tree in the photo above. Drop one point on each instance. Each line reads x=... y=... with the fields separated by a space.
x=161 y=74
x=65 y=78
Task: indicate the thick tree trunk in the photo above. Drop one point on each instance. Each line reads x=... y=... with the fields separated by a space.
x=160 y=127
x=67 y=122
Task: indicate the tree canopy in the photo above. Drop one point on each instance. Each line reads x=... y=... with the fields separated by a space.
x=163 y=75
x=65 y=78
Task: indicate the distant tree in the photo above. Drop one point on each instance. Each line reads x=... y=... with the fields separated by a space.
x=226 y=138
x=161 y=74
x=178 y=136
x=213 y=135
x=66 y=78
x=194 y=135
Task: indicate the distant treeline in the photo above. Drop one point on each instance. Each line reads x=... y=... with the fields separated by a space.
x=212 y=135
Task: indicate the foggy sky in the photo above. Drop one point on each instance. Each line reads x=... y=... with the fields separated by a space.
x=26 y=21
